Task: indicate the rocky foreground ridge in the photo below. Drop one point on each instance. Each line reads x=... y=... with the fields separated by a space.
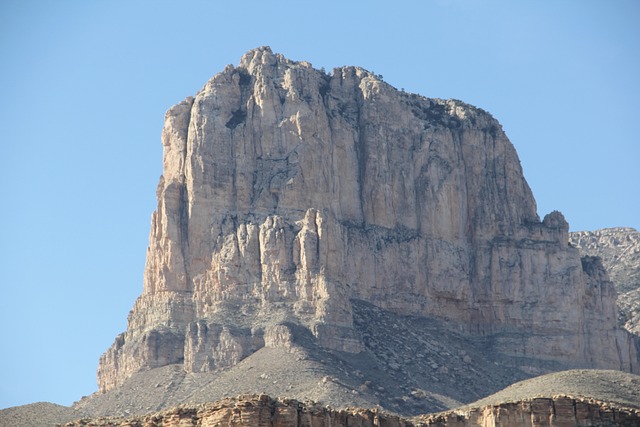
x=568 y=398
x=264 y=411
x=619 y=249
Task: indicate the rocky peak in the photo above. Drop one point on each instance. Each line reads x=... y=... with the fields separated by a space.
x=288 y=193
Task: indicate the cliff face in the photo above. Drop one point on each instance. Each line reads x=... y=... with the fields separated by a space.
x=287 y=193
x=266 y=412
x=619 y=249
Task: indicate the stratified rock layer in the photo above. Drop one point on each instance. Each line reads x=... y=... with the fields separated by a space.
x=287 y=193
x=264 y=411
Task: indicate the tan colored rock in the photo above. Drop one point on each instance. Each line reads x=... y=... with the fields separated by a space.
x=286 y=193
x=254 y=411
x=278 y=336
x=559 y=411
x=263 y=411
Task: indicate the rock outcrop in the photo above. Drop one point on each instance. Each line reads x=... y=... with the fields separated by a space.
x=548 y=412
x=264 y=411
x=287 y=193
x=619 y=250
x=256 y=410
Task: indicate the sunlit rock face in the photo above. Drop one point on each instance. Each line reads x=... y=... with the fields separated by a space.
x=288 y=192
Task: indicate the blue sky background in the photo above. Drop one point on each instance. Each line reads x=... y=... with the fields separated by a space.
x=84 y=86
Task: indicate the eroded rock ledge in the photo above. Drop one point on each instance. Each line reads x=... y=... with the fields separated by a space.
x=263 y=411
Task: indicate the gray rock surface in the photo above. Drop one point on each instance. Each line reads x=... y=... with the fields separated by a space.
x=287 y=194
x=619 y=249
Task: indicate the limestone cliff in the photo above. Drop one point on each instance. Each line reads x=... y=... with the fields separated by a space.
x=619 y=249
x=288 y=192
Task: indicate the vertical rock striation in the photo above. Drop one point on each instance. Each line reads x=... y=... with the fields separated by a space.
x=619 y=249
x=287 y=192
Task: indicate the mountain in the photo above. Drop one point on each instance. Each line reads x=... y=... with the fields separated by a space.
x=619 y=249
x=326 y=237
x=288 y=193
x=290 y=196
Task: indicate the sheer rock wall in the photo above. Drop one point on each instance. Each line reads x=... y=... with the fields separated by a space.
x=287 y=192
x=619 y=249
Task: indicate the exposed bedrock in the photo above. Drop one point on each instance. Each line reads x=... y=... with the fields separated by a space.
x=288 y=192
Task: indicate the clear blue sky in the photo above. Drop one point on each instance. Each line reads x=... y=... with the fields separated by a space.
x=84 y=86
